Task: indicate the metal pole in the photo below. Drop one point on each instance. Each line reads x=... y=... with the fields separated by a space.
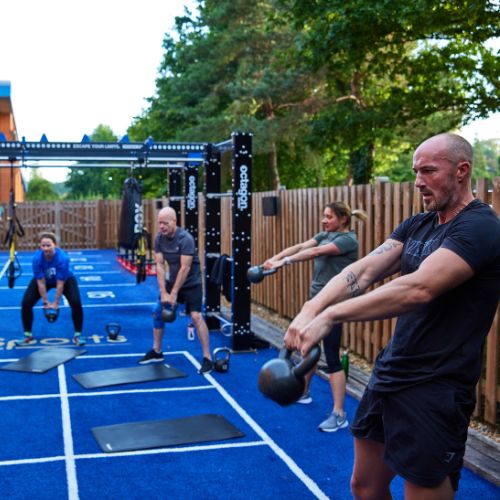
x=241 y=239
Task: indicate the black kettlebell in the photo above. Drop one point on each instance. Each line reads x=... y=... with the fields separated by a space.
x=113 y=330
x=283 y=382
x=256 y=274
x=168 y=312
x=220 y=358
x=51 y=314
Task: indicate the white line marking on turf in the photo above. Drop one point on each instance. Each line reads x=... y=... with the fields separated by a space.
x=86 y=306
x=185 y=449
x=110 y=393
x=156 y=451
x=67 y=436
x=127 y=355
x=266 y=439
x=109 y=285
x=142 y=391
x=308 y=482
x=24 y=461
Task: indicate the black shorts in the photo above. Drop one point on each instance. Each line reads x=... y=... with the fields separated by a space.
x=192 y=297
x=424 y=429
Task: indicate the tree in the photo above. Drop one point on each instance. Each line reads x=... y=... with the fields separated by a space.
x=229 y=70
x=330 y=89
x=391 y=65
x=486 y=159
x=93 y=182
x=40 y=189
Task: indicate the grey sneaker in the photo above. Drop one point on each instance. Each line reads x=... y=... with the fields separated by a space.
x=333 y=423
x=305 y=399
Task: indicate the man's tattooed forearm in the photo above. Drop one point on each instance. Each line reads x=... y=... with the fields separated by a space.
x=385 y=247
x=352 y=283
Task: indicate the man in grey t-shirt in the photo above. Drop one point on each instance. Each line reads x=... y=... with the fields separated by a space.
x=175 y=246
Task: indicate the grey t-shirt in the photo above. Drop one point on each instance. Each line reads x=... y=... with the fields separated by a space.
x=327 y=266
x=182 y=243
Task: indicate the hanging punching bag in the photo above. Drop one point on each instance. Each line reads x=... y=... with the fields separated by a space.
x=131 y=215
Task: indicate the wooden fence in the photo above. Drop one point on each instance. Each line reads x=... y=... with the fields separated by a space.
x=94 y=224
x=77 y=224
x=386 y=205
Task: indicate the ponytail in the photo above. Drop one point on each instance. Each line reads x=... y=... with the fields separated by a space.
x=342 y=209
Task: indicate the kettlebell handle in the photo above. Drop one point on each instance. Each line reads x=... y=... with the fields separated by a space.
x=256 y=274
x=267 y=272
x=308 y=362
x=169 y=305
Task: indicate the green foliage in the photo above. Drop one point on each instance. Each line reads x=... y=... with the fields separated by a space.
x=60 y=188
x=88 y=183
x=486 y=159
x=103 y=182
x=40 y=189
x=231 y=70
x=387 y=69
x=333 y=92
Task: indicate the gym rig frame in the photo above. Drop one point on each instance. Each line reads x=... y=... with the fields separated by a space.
x=177 y=157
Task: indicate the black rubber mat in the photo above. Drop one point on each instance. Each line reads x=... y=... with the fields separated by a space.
x=129 y=375
x=162 y=433
x=43 y=360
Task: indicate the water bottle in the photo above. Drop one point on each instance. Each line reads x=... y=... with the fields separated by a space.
x=344 y=360
x=190 y=331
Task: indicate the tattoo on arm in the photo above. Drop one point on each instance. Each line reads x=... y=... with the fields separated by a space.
x=385 y=247
x=352 y=283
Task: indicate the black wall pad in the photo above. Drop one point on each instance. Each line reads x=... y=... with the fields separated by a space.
x=43 y=360
x=130 y=375
x=161 y=433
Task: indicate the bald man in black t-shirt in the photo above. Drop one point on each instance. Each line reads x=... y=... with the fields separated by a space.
x=413 y=418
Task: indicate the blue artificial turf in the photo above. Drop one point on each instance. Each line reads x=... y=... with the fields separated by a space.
x=49 y=452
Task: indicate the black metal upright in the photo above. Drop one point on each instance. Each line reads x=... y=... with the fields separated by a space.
x=191 y=201
x=174 y=192
x=241 y=239
x=212 y=179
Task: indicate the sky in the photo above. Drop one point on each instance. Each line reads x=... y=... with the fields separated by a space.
x=75 y=64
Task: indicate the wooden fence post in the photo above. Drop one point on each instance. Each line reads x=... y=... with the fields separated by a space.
x=100 y=225
x=492 y=342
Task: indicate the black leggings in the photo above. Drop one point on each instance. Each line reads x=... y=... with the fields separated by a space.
x=70 y=291
x=331 y=346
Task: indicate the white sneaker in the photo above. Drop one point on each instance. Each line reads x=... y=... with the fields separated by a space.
x=305 y=399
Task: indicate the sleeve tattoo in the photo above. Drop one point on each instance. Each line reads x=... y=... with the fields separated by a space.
x=385 y=247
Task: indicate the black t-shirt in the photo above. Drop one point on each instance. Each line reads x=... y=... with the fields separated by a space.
x=182 y=243
x=443 y=340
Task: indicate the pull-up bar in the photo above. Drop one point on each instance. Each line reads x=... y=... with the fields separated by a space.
x=100 y=151
x=163 y=165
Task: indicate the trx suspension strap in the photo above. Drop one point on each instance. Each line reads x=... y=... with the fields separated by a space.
x=14 y=230
x=142 y=237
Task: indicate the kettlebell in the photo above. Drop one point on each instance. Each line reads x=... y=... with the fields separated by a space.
x=51 y=314
x=113 y=330
x=256 y=274
x=220 y=358
x=168 y=312
x=283 y=382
